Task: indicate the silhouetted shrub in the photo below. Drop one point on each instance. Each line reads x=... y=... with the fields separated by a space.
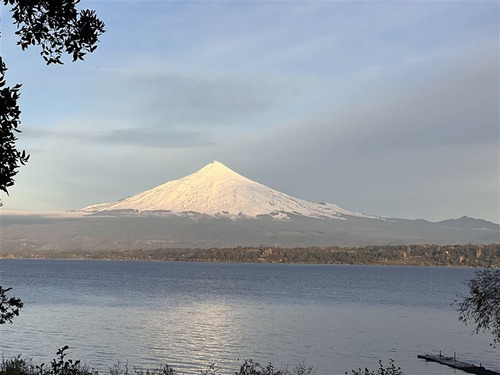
x=9 y=306
x=16 y=366
x=62 y=366
x=482 y=307
x=58 y=366
x=389 y=370
x=249 y=367
x=117 y=369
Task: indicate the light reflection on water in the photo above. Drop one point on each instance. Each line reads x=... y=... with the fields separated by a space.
x=147 y=314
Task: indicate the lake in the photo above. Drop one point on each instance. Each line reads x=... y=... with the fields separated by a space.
x=335 y=317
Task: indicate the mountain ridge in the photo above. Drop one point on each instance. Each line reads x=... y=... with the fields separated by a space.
x=122 y=232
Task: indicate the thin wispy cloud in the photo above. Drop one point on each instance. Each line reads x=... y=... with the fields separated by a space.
x=162 y=99
x=169 y=138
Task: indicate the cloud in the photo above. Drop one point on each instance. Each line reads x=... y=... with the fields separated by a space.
x=459 y=108
x=453 y=106
x=425 y=149
x=161 y=138
x=407 y=151
x=161 y=99
x=381 y=108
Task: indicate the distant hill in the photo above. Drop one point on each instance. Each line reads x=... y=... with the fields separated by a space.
x=468 y=222
x=151 y=232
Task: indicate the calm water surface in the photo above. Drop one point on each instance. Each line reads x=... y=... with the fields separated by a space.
x=336 y=318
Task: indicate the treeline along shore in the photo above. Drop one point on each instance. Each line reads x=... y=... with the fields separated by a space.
x=414 y=255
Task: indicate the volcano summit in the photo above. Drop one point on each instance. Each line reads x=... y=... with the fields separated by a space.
x=216 y=190
x=217 y=207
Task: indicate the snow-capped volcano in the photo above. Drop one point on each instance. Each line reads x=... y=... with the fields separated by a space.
x=216 y=190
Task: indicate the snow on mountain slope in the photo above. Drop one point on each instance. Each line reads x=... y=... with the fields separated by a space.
x=216 y=190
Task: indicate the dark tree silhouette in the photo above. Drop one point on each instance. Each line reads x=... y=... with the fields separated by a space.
x=9 y=307
x=58 y=28
x=10 y=157
x=389 y=370
x=482 y=307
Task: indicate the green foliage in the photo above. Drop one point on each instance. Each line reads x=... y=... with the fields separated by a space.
x=10 y=157
x=117 y=369
x=210 y=370
x=9 y=306
x=482 y=307
x=16 y=366
x=61 y=366
x=389 y=370
x=302 y=369
x=249 y=367
x=58 y=366
x=58 y=28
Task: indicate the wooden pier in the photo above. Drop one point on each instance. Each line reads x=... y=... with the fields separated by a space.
x=452 y=362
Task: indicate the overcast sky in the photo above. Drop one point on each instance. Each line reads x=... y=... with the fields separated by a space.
x=386 y=108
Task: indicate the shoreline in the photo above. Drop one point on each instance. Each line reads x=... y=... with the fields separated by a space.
x=259 y=263
x=455 y=256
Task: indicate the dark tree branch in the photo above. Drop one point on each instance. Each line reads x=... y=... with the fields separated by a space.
x=9 y=307
x=482 y=307
x=10 y=157
x=58 y=28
